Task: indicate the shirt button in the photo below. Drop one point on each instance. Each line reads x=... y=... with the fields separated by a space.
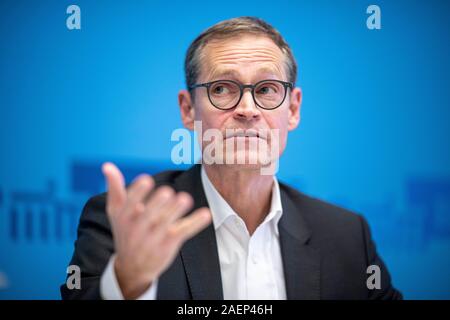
x=254 y=260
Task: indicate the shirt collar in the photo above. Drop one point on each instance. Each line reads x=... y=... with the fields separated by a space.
x=221 y=210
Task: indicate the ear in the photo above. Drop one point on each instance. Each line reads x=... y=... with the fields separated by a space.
x=294 y=108
x=187 y=109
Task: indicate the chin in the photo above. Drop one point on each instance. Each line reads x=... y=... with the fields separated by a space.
x=248 y=160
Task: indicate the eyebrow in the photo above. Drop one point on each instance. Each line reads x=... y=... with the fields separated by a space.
x=233 y=73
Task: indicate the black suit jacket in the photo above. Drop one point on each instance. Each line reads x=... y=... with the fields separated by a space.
x=325 y=250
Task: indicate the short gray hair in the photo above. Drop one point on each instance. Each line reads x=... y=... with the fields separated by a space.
x=231 y=28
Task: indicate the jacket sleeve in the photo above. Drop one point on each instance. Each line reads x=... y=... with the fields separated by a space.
x=93 y=248
x=386 y=290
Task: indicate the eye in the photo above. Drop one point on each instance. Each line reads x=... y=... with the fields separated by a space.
x=220 y=89
x=267 y=89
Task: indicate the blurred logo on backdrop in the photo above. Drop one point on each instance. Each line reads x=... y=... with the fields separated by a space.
x=43 y=215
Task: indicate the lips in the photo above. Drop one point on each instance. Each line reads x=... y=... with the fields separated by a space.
x=251 y=133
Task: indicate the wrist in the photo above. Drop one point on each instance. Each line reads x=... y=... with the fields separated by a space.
x=131 y=285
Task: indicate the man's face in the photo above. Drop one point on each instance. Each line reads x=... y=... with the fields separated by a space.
x=247 y=60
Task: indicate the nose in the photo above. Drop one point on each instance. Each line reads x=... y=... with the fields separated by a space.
x=247 y=109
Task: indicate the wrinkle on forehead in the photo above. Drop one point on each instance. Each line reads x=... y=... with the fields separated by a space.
x=249 y=54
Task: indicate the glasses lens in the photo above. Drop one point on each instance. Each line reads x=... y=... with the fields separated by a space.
x=269 y=94
x=224 y=94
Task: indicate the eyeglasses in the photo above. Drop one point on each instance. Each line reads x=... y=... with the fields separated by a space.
x=226 y=94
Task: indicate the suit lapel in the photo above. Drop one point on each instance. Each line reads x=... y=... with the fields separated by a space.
x=301 y=262
x=200 y=258
x=200 y=255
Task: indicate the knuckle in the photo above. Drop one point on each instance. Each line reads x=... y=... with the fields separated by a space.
x=166 y=191
x=184 y=199
x=144 y=181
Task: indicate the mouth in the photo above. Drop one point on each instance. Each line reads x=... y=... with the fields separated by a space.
x=249 y=133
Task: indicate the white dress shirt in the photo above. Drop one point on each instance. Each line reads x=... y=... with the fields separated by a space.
x=251 y=266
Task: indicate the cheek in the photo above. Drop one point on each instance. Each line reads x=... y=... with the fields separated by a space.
x=211 y=118
x=283 y=140
x=280 y=122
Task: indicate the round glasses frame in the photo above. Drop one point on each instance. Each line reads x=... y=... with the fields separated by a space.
x=241 y=86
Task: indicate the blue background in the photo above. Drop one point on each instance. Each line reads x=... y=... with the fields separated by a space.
x=373 y=136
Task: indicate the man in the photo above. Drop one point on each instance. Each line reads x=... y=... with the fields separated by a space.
x=224 y=230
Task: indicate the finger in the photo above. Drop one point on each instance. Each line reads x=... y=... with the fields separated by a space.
x=137 y=210
x=167 y=214
x=116 y=195
x=157 y=200
x=137 y=191
x=180 y=206
x=189 y=226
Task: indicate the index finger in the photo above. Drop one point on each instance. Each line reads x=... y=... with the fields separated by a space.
x=116 y=195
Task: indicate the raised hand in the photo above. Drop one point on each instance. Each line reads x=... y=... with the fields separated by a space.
x=148 y=231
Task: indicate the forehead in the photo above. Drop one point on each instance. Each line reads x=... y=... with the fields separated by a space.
x=245 y=58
